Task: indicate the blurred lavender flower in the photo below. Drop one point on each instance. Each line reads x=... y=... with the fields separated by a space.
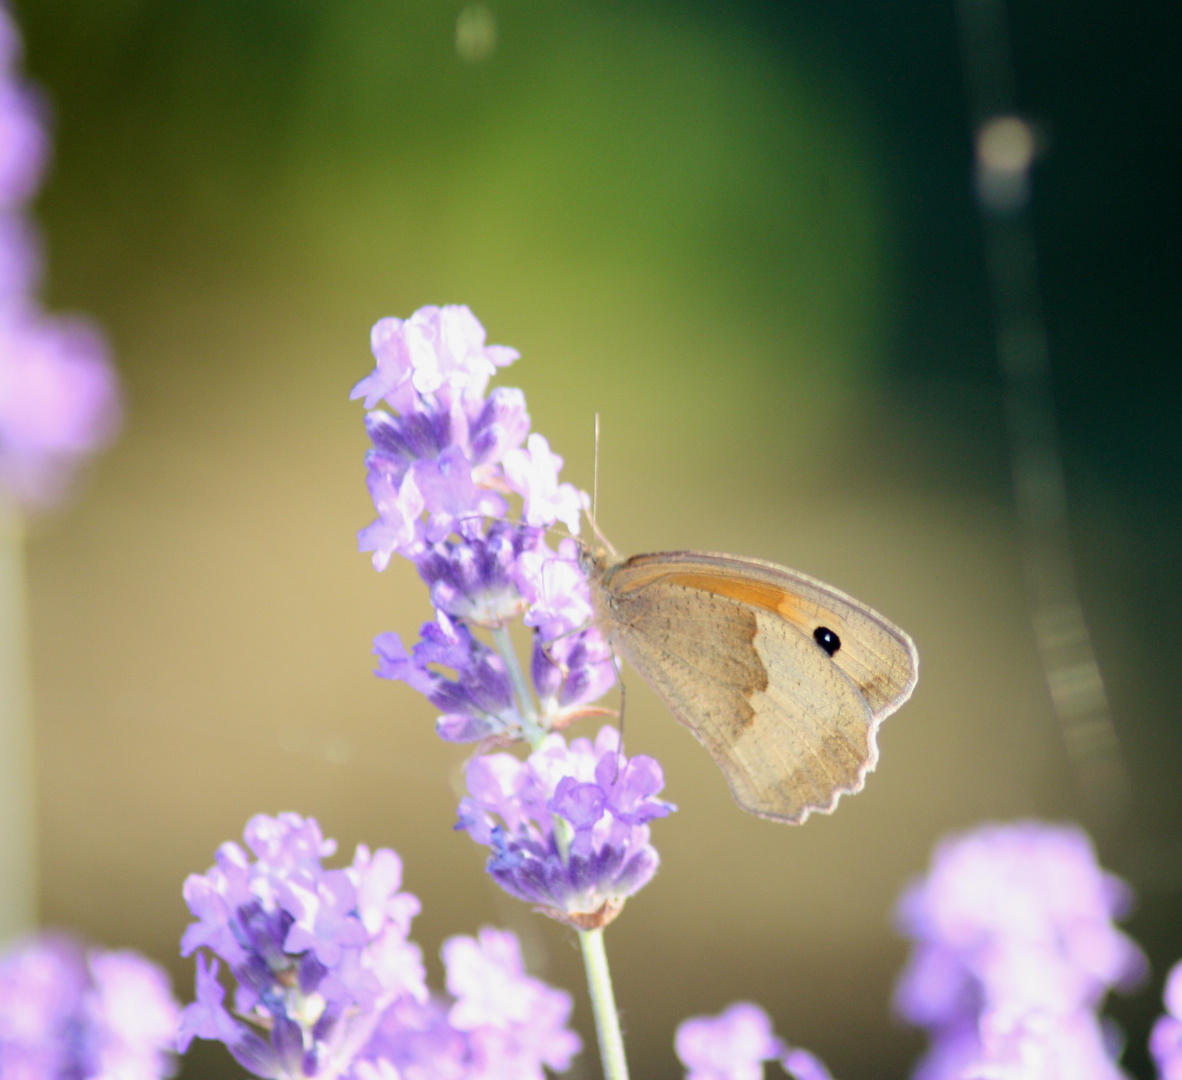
x=583 y=874
x=58 y=393
x=495 y=1022
x=735 y=1044
x=1165 y=1041
x=731 y=1046
x=440 y=473
x=319 y=955
x=329 y=986
x=1014 y=952
x=71 y=1014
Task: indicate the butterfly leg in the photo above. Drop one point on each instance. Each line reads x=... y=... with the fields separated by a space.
x=567 y=633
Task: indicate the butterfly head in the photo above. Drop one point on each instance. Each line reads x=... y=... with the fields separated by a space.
x=594 y=560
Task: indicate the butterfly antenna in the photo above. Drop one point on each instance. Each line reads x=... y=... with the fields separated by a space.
x=595 y=498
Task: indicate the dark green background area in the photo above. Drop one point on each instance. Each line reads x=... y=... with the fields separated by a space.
x=743 y=233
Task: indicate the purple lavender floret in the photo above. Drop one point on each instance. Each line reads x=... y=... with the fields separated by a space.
x=501 y=425
x=1165 y=1041
x=1015 y=949
x=569 y=672
x=441 y=454
x=318 y=954
x=582 y=871
x=533 y=473
x=477 y=579
x=59 y=399
x=437 y=352
x=477 y=704
x=66 y=1012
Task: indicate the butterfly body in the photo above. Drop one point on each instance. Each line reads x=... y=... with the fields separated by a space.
x=781 y=677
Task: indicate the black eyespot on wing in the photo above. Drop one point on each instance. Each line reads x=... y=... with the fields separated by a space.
x=827 y=639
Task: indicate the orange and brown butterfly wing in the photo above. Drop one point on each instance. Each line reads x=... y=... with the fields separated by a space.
x=729 y=644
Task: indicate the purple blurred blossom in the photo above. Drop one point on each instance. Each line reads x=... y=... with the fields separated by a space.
x=24 y=146
x=496 y=1022
x=606 y=801
x=509 y=1018
x=20 y=261
x=318 y=954
x=1045 y=1044
x=735 y=1044
x=802 y=1065
x=58 y=402
x=70 y=1013
x=731 y=1046
x=59 y=397
x=1165 y=1041
x=10 y=41
x=1014 y=952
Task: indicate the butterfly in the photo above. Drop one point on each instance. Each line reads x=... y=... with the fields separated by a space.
x=784 y=679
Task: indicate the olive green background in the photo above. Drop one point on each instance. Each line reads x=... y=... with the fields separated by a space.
x=744 y=234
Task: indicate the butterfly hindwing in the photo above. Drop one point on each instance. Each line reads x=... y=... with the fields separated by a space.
x=730 y=645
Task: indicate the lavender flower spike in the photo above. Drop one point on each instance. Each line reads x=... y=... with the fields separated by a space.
x=58 y=393
x=1165 y=1041
x=439 y=473
x=1014 y=952
x=319 y=955
x=459 y=495
x=605 y=801
x=66 y=1012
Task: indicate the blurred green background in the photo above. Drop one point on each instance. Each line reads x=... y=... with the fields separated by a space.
x=742 y=232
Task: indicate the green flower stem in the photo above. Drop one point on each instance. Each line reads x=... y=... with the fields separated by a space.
x=531 y=722
x=603 y=1001
x=525 y=698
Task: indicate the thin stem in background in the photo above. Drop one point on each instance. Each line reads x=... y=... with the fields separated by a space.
x=18 y=862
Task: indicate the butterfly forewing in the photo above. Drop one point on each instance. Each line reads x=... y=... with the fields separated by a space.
x=730 y=645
